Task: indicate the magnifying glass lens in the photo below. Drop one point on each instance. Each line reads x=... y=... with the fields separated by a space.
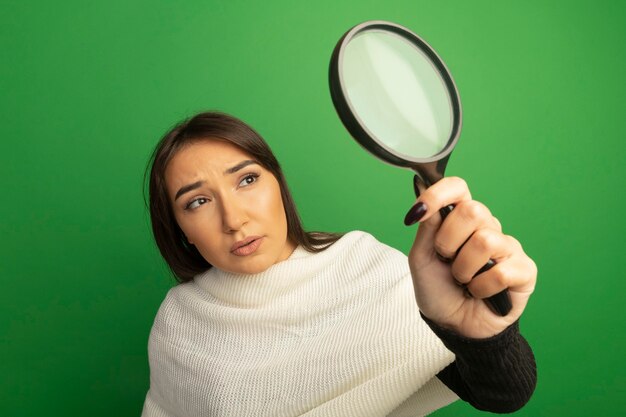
x=397 y=93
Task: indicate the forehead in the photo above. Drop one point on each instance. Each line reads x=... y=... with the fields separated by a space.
x=203 y=157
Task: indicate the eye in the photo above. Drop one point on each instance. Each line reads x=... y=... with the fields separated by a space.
x=248 y=179
x=195 y=203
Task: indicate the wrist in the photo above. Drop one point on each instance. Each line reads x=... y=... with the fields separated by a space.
x=455 y=340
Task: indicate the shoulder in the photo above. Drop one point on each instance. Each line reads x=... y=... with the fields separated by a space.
x=360 y=240
x=173 y=312
x=361 y=250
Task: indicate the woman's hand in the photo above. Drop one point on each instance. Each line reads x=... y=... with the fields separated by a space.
x=448 y=293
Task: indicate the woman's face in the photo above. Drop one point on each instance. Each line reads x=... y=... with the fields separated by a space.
x=221 y=199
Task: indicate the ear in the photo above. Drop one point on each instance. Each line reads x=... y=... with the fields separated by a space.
x=187 y=239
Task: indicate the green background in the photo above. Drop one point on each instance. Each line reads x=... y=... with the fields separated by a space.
x=87 y=88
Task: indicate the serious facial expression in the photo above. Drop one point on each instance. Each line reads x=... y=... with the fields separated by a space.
x=228 y=206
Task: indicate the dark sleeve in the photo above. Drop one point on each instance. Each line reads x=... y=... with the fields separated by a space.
x=497 y=374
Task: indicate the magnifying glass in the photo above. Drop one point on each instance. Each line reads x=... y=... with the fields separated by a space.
x=398 y=100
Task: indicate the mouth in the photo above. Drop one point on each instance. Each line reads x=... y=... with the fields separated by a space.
x=247 y=246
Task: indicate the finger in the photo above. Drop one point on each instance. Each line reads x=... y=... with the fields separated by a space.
x=515 y=273
x=460 y=224
x=484 y=244
x=426 y=231
x=449 y=190
x=499 y=225
x=419 y=208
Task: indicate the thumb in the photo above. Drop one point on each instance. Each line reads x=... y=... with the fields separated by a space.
x=424 y=242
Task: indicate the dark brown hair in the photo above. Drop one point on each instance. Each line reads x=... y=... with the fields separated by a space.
x=182 y=257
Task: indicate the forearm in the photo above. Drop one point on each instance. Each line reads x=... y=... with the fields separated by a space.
x=496 y=374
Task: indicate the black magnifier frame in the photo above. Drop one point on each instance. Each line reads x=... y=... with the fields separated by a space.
x=430 y=169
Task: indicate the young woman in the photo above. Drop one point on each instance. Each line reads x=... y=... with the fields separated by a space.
x=271 y=320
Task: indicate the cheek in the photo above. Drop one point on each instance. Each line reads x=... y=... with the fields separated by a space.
x=270 y=207
x=278 y=210
x=197 y=228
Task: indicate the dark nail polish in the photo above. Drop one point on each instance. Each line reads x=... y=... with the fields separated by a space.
x=415 y=213
x=415 y=187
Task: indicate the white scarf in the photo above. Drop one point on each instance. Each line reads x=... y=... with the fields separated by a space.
x=336 y=333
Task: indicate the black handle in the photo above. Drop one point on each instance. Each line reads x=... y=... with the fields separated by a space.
x=501 y=302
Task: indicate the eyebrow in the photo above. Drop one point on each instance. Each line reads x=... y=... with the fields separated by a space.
x=186 y=188
x=239 y=166
x=190 y=187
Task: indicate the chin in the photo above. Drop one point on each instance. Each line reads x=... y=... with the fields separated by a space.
x=249 y=266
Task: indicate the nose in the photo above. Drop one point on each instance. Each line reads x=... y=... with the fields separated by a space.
x=234 y=214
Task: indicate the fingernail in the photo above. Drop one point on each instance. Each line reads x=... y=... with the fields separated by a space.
x=415 y=213
x=415 y=187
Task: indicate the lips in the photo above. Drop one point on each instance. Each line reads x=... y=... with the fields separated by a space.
x=246 y=246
